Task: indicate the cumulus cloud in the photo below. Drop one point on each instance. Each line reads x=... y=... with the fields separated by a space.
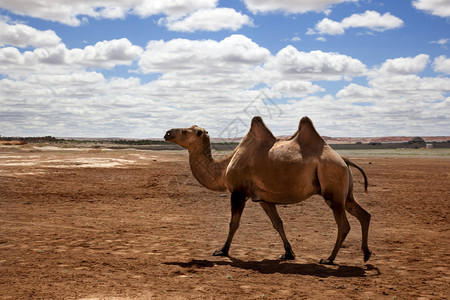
x=397 y=89
x=145 y=8
x=182 y=55
x=54 y=89
x=72 y=12
x=409 y=86
x=291 y=6
x=356 y=91
x=105 y=54
x=204 y=72
x=405 y=65
x=441 y=64
x=314 y=65
x=370 y=19
x=208 y=19
x=238 y=64
x=293 y=89
x=439 y=8
x=405 y=103
x=59 y=104
x=180 y=15
x=21 y=35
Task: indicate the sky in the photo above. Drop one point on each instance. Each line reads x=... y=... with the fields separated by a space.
x=136 y=68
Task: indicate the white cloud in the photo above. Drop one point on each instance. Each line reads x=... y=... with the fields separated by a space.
x=236 y=63
x=208 y=19
x=399 y=104
x=292 y=6
x=106 y=54
x=112 y=12
x=355 y=91
x=442 y=42
x=293 y=89
x=413 y=87
x=204 y=72
x=327 y=26
x=181 y=55
x=72 y=12
x=145 y=8
x=405 y=65
x=62 y=104
x=180 y=15
x=20 y=35
x=442 y=64
x=370 y=19
x=439 y=8
x=314 y=65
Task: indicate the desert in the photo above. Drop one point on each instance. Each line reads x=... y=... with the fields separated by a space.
x=96 y=223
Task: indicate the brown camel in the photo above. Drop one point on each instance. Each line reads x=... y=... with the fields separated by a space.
x=275 y=171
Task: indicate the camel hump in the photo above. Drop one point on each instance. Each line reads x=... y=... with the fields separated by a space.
x=258 y=130
x=308 y=135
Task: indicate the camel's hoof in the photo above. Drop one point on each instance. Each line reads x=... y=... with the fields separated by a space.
x=326 y=262
x=367 y=255
x=287 y=256
x=220 y=253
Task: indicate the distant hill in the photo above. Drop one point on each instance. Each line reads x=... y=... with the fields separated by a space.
x=159 y=141
x=354 y=140
x=386 y=139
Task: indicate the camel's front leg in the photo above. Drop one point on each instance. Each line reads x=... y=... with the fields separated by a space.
x=271 y=211
x=238 y=200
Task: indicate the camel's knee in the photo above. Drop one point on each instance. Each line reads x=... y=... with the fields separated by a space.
x=344 y=228
x=356 y=210
x=368 y=216
x=342 y=222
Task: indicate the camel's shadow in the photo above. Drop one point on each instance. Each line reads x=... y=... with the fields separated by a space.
x=268 y=266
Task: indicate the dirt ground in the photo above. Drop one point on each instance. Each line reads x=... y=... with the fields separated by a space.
x=128 y=224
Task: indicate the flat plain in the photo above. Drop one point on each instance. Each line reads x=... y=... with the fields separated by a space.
x=80 y=223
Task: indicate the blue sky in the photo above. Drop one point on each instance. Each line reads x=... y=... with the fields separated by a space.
x=135 y=68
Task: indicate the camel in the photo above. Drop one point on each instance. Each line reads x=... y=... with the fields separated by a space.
x=274 y=171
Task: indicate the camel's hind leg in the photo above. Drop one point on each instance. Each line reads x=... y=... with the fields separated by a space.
x=364 y=218
x=238 y=200
x=271 y=211
x=343 y=229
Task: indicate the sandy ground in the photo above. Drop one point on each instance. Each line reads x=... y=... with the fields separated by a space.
x=130 y=224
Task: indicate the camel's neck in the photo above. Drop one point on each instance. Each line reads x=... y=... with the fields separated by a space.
x=208 y=171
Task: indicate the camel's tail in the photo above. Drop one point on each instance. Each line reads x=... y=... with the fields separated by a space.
x=350 y=163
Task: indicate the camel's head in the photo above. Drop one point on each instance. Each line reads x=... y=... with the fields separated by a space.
x=189 y=138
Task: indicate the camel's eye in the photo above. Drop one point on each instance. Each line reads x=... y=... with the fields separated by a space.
x=199 y=133
x=184 y=131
